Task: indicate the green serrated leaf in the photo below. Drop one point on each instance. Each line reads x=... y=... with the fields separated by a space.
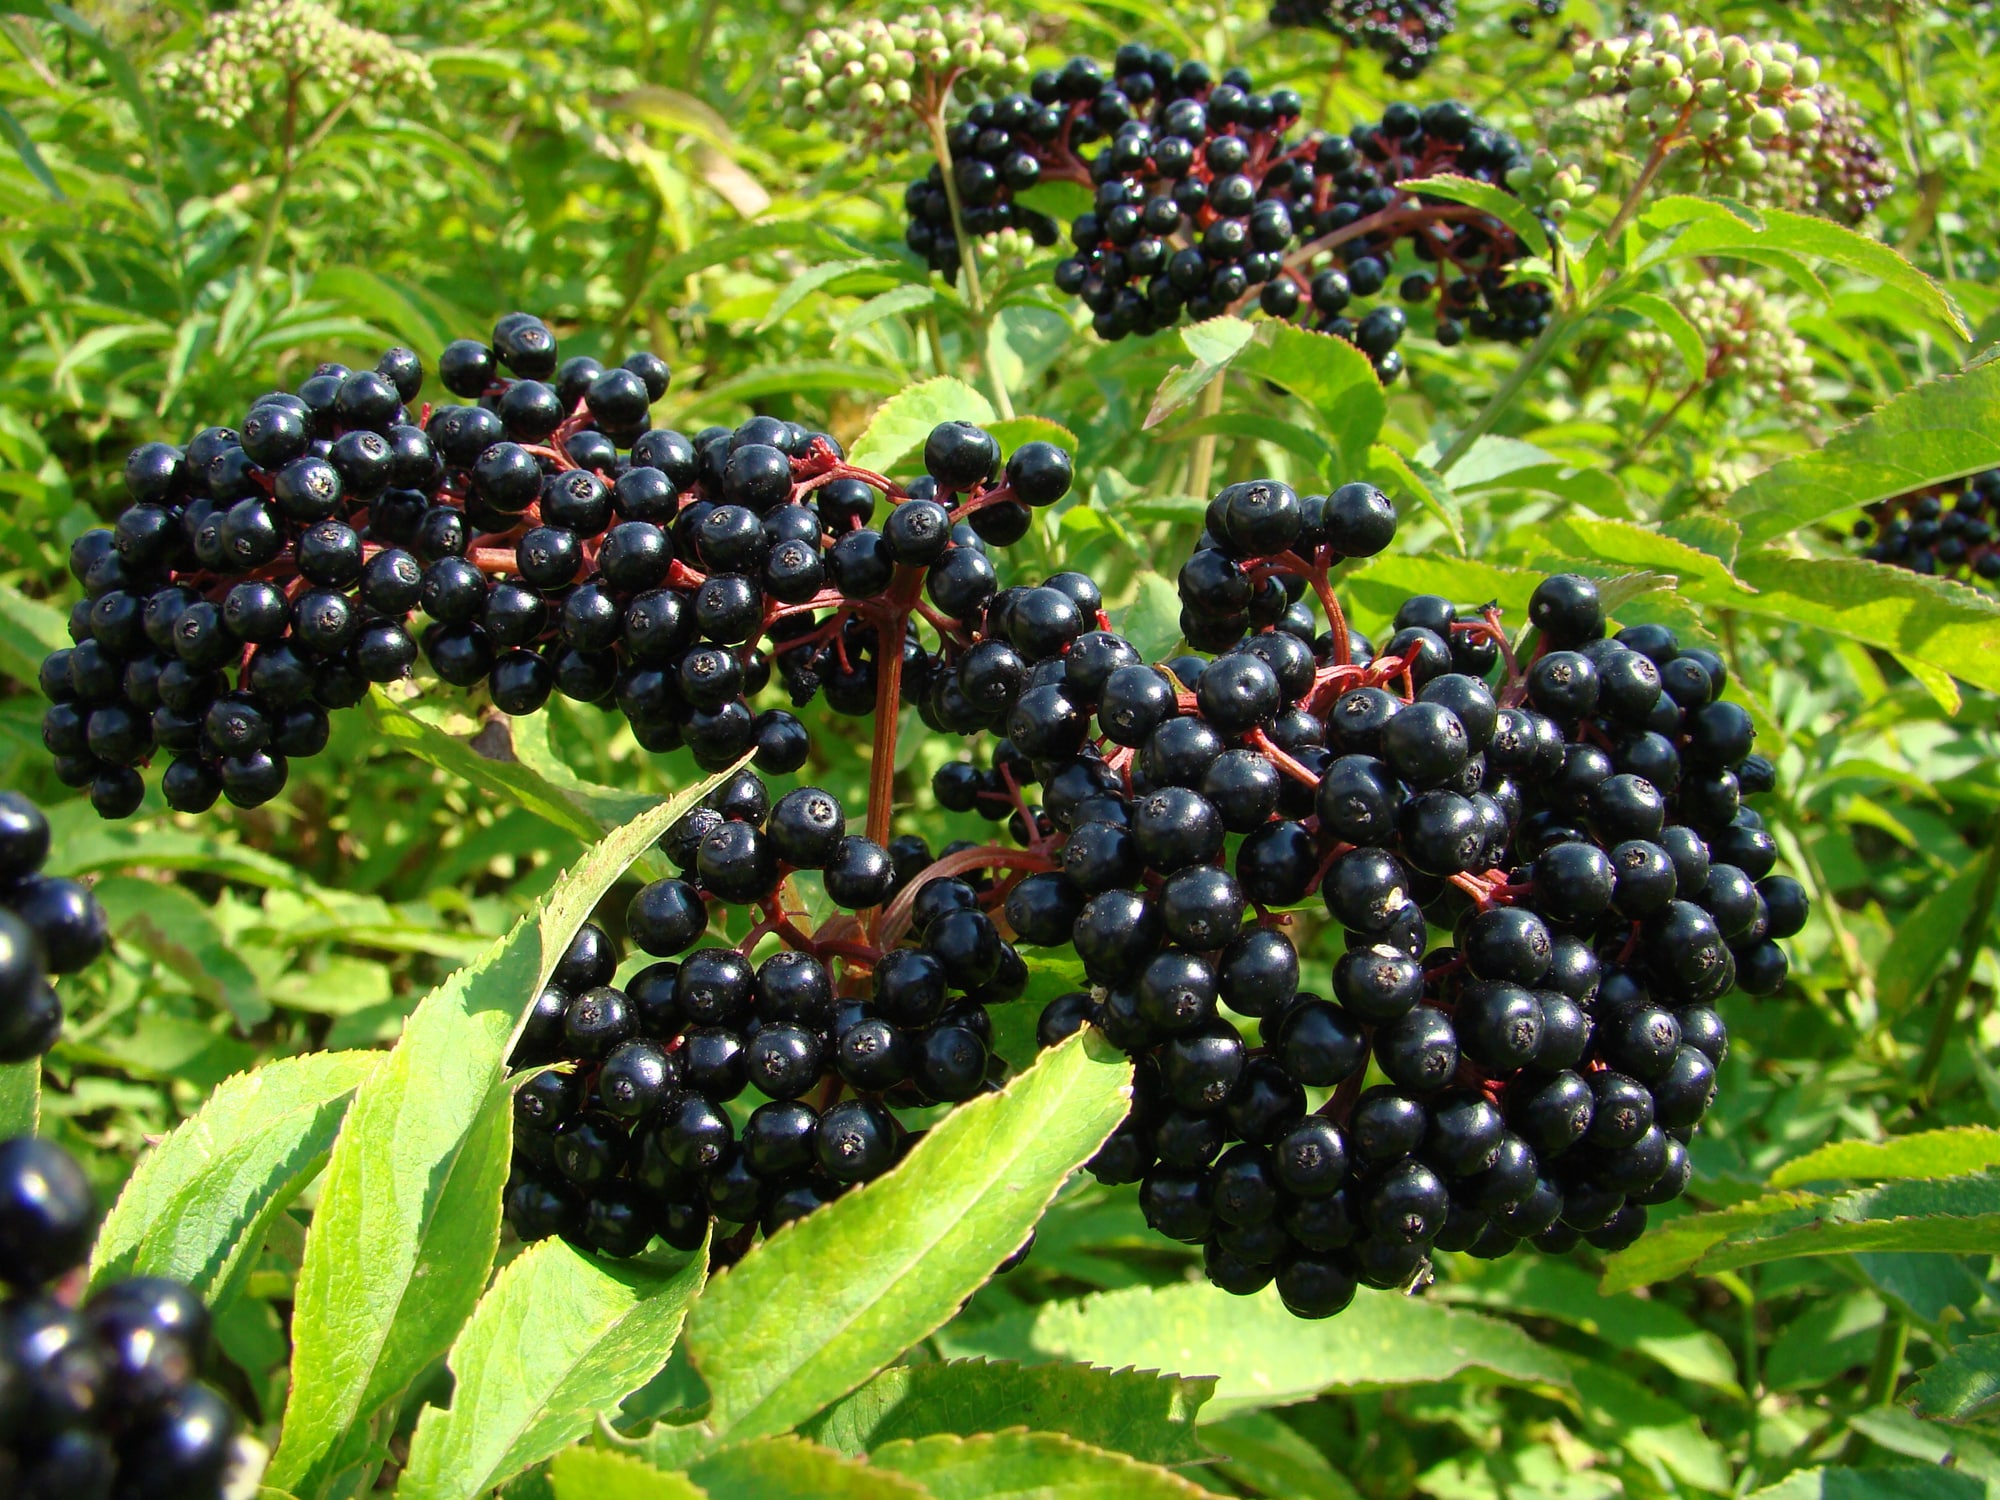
x=409 y=1213
x=890 y=304
x=1943 y=429
x=790 y=1468
x=1147 y=1415
x=602 y=1474
x=1261 y=1354
x=1626 y=545
x=417 y=729
x=777 y=1337
x=901 y=423
x=1014 y=431
x=797 y=288
x=1214 y=343
x=1292 y=438
x=178 y=932
x=1965 y=1378
x=199 y=1205
x=1028 y=1466
x=1331 y=376
x=561 y=1337
x=1487 y=198
x=1930 y=1153
x=1952 y=1216
x=1152 y=621
x=1268 y=1455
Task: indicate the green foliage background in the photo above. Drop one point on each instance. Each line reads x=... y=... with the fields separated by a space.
x=620 y=169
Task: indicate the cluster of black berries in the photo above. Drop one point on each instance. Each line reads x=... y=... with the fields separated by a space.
x=1577 y=829
x=1406 y=32
x=102 y=1401
x=48 y=925
x=1206 y=201
x=631 y=1137
x=551 y=539
x=1917 y=531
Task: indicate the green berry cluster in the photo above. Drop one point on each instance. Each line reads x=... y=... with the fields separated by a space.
x=873 y=80
x=247 y=58
x=1726 y=106
x=1552 y=185
x=1748 y=336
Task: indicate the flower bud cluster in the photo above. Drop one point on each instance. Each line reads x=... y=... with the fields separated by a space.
x=1552 y=185
x=248 y=57
x=1739 y=104
x=869 y=80
x=1747 y=334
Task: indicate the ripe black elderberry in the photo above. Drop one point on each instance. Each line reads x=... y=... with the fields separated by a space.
x=48 y=926
x=118 y=1405
x=1947 y=530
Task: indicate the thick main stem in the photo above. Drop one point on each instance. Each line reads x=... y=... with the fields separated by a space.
x=1202 y=467
x=1971 y=943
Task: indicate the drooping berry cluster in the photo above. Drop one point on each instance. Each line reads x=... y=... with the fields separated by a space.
x=103 y=1399
x=553 y=541
x=1210 y=201
x=1577 y=828
x=633 y=1138
x=1752 y=120
x=1406 y=32
x=48 y=925
x=1918 y=532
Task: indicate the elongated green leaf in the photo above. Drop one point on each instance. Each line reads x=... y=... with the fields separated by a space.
x=1947 y=624
x=1943 y=429
x=1931 y=1153
x=790 y=1468
x=559 y=1338
x=831 y=1299
x=1924 y=941
x=1671 y=321
x=1963 y=1380
x=1487 y=198
x=1268 y=1455
x=601 y=1474
x=1331 y=376
x=1394 y=473
x=1711 y=229
x=720 y=249
x=890 y=304
x=1899 y=1483
x=1626 y=545
x=810 y=280
x=409 y=1214
x=1261 y=1354
x=29 y=631
x=1383 y=583
x=1015 y=431
x=1299 y=441
x=20 y=1099
x=1030 y=1466
x=901 y=423
x=199 y=1205
x=1532 y=1286
x=790 y=378
x=1149 y=1416
x=30 y=154
x=1214 y=343
x=606 y=806
x=1952 y=1216
x=416 y=729
x=1617 y=1409
x=169 y=925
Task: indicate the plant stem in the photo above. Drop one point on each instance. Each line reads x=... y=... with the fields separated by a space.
x=937 y=339
x=275 y=214
x=1201 y=469
x=1887 y=1364
x=1660 y=424
x=1539 y=353
x=1971 y=943
x=1752 y=1378
x=941 y=147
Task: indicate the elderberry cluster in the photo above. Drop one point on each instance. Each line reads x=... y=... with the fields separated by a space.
x=1916 y=531
x=1576 y=829
x=48 y=925
x=551 y=538
x=1209 y=200
x=1406 y=32
x=630 y=1135
x=101 y=1401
